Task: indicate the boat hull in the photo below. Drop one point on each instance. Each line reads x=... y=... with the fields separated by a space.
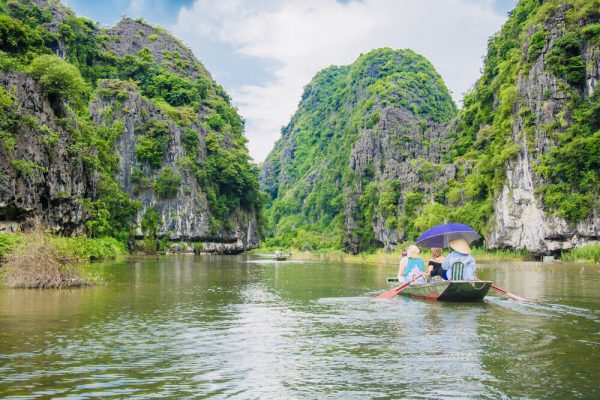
x=447 y=290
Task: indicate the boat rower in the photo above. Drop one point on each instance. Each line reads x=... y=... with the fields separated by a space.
x=460 y=264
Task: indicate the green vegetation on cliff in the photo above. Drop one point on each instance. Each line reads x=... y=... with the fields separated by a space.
x=93 y=64
x=486 y=122
x=531 y=106
x=341 y=103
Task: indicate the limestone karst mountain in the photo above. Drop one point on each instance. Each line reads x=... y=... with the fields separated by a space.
x=367 y=141
x=376 y=151
x=120 y=132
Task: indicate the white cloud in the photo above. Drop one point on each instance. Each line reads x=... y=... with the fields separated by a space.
x=136 y=7
x=303 y=37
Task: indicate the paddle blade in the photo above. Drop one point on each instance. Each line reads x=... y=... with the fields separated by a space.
x=391 y=293
x=508 y=294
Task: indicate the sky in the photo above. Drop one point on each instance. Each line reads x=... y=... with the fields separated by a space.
x=264 y=52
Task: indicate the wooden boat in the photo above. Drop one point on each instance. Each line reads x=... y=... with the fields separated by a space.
x=446 y=290
x=280 y=258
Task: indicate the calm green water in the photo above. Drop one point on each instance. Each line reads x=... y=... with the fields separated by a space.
x=248 y=327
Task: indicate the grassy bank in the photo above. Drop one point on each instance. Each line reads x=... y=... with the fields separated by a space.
x=381 y=257
x=37 y=259
x=589 y=253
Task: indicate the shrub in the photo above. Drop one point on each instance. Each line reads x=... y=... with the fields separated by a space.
x=590 y=252
x=174 y=89
x=40 y=262
x=573 y=169
x=58 y=77
x=15 y=36
x=112 y=214
x=215 y=122
x=151 y=146
x=150 y=228
x=8 y=63
x=167 y=183
x=536 y=44
x=27 y=168
x=591 y=33
x=564 y=59
x=190 y=139
x=91 y=249
x=7 y=243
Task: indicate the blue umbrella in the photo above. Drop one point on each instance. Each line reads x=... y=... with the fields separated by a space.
x=441 y=235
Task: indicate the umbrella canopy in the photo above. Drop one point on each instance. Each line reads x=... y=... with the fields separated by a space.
x=441 y=235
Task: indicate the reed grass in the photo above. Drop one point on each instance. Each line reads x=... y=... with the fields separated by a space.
x=589 y=253
x=36 y=259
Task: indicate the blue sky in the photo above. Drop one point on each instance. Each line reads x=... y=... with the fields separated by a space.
x=264 y=51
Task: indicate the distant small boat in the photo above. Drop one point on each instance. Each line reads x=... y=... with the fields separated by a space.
x=446 y=290
x=281 y=256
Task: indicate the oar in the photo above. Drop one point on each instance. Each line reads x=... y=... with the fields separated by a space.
x=508 y=294
x=391 y=293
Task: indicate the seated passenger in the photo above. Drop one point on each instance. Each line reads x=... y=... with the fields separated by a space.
x=435 y=264
x=459 y=264
x=411 y=266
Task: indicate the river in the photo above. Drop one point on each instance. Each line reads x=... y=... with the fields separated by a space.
x=249 y=327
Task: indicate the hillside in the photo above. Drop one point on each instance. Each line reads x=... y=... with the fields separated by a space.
x=376 y=151
x=119 y=132
x=356 y=142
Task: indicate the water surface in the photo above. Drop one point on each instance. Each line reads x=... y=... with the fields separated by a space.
x=248 y=327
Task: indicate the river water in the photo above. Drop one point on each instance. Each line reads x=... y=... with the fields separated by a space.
x=249 y=327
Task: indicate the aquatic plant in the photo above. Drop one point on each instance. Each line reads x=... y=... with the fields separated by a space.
x=40 y=263
x=34 y=258
x=590 y=252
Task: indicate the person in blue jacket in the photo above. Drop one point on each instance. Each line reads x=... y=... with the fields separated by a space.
x=462 y=255
x=411 y=266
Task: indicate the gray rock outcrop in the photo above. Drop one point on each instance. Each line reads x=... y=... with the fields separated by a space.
x=519 y=219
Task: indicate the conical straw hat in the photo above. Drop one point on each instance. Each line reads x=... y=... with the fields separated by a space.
x=460 y=245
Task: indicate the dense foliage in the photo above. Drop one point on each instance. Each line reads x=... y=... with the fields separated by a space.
x=7 y=243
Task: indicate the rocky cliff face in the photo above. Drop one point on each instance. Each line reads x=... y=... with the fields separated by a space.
x=395 y=152
x=520 y=220
x=153 y=152
x=40 y=175
x=520 y=162
x=184 y=215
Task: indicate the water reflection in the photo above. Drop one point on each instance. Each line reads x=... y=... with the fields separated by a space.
x=245 y=327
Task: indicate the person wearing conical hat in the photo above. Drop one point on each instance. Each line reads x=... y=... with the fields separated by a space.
x=461 y=254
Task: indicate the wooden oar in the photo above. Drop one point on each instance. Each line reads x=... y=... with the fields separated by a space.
x=508 y=294
x=391 y=293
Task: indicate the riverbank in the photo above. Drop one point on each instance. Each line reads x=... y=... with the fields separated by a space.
x=590 y=253
x=381 y=257
x=38 y=259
